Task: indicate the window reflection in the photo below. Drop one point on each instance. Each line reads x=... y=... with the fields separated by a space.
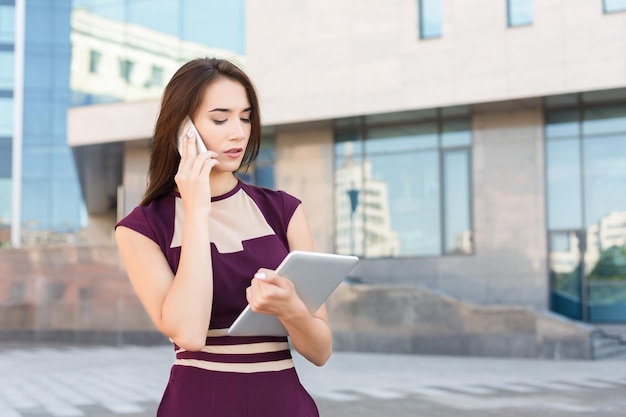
x=586 y=176
x=599 y=120
x=349 y=208
x=456 y=166
x=6 y=116
x=262 y=173
x=565 y=274
x=389 y=195
x=6 y=70
x=7 y=23
x=564 y=189
x=124 y=50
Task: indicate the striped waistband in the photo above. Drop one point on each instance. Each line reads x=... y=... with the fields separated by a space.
x=241 y=354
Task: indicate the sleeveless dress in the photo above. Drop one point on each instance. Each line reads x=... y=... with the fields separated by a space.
x=233 y=375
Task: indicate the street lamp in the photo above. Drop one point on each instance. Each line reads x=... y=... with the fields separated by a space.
x=353 y=195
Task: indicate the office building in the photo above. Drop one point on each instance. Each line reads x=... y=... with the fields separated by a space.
x=475 y=148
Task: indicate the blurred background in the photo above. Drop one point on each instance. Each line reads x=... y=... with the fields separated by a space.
x=472 y=153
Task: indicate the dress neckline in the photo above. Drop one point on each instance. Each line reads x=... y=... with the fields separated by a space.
x=224 y=196
x=228 y=193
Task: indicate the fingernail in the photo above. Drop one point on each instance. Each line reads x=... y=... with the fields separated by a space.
x=260 y=275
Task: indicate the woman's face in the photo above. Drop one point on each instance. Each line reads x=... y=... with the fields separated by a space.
x=223 y=121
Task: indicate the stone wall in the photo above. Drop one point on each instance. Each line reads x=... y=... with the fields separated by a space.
x=73 y=294
x=81 y=294
x=415 y=320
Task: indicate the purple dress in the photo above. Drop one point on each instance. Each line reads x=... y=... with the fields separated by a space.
x=232 y=376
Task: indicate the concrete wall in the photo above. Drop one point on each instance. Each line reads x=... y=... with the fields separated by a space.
x=135 y=173
x=415 y=320
x=509 y=265
x=345 y=58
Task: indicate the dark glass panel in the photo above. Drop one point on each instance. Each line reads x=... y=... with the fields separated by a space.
x=6 y=116
x=456 y=133
x=401 y=117
x=565 y=274
x=603 y=120
x=561 y=100
x=6 y=157
x=562 y=123
x=401 y=139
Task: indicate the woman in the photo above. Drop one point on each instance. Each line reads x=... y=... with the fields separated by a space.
x=202 y=245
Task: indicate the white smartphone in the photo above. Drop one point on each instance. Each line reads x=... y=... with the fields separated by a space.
x=185 y=127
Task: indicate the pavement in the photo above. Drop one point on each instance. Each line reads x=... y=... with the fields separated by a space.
x=104 y=381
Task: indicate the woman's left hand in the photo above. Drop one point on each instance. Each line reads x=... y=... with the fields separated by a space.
x=270 y=293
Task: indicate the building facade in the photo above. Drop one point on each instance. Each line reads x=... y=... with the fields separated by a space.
x=474 y=148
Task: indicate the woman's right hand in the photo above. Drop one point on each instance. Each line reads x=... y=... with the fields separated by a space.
x=192 y=177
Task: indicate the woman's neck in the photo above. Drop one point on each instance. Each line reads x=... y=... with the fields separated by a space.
x=222 y=182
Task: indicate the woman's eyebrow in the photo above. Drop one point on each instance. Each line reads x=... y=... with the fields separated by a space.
x=219 y=109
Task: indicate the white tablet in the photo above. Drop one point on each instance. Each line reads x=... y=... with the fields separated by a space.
x=315 y=277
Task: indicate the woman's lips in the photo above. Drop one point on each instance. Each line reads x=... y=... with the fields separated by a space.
x=234 y=153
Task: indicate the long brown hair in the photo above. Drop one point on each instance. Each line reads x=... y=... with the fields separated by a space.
x=182 y=96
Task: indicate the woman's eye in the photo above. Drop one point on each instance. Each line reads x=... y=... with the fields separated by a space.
x=245 y=120
x=219 y=122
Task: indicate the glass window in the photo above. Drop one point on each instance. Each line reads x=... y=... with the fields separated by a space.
x=561 y=100
x=94 y=61
x=6 y=70
x=611 y=6
x=458 y=232
x=263 y=173
x=388 y=189
x=430 y=19
x=401 y=117
x=520 y=12
x=604 y=120
x=403 y=138
x=36 y=161
x=348 y=197
x=563 y=184
x=402 y=204
x=562 y=123
x=6 y=157
x=65 y=206
x=456 y=133
x=156 y=76
x=7 y=23
x=126 y=69
x=585 y=176
x=6 y=116
x=605 y=173
x=36 y=195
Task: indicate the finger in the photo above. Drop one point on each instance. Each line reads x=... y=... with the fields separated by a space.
x=204 y=161
x=191 y=143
